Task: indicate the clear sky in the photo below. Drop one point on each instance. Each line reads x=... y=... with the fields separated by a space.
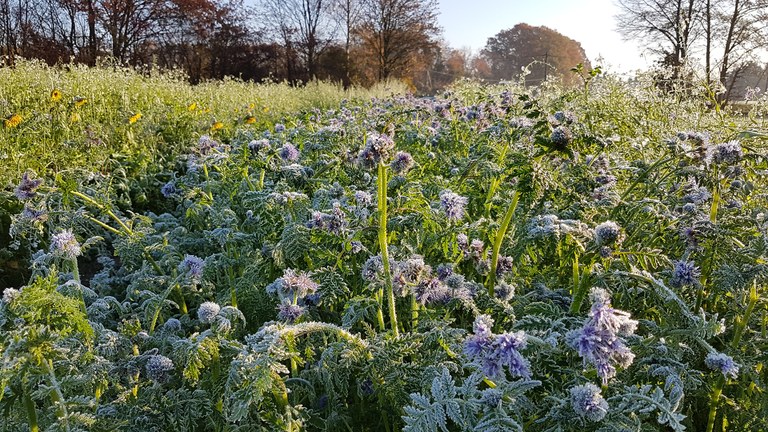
x=469 y=23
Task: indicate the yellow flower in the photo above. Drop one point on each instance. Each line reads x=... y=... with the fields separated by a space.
x=74 y=118
x=192 y=106
x=79 y=101
x=251 y=106
x=13 y=121
x=134 y=118
x=217 y=125
x=56 y=95
x=265 y=109
x=250 y=120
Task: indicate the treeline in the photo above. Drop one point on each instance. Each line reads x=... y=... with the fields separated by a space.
x=353 y=41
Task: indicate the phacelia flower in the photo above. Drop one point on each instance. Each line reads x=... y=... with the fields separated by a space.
x=169 y=189
x=205 y=144
x=372 y=267
x=192 y=266
x=685 y=273
x=34 y=215
x=494 y=352
x=402 y=162
x=588 y=403
x=607 y=233
x=65 y=245
x=173 y=325
x=27 y=187
x=279 y=128
x=727 y=153
x=377 y=148
x=723 y=363
x=600 y=341
x=10 y=294
x=561 y=135
x=258 y=146
x=289 y=153
x=453 y=204
x=289 y=312
x=293 y=284
x=158 y=368
x=207 y=312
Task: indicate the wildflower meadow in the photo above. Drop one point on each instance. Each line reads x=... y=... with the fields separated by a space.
x=494 y=258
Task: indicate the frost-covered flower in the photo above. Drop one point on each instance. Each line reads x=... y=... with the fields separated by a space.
x=377 y=148
x=727 y=153
x=462 y=241
x=34 y=215
x=27 y=187
x=588 y=403
x=207 y=312
x=169 y=189
x=402 y=162
x=491 y=398
x=697 y=195
x=65 y=245
x=685 y=273
x=561 y=135
x=289 y=153
x=158 y=368
x=205 y=144
x=258 y=146
x=494 y=352
x=723 y=363
x=293 y=285
x=431 y=290
x=607 y=233
x=372 y=267
x=173 y=325
x=289 y=312
x=504 y=291
x=10 y=294
x=453 y=204
x=600 y=341
x=504 y=265
x=279 y=128
x=192 y=266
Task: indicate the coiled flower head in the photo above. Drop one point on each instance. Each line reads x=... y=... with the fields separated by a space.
x=293 y=285
x=588 y=403
x=169 y=189
x=27 y=187
x=289 y=312
x=377 y=149
x=372 y=268
x=727 y=153
x=192 y=266
x=289 y=153
x=493 y=352
x=158 y=368
x=453 y=204
x=561 y=135
x=207 y=312
x=402 y=162
x=607 y=233
x=723 y=363
x=65 y=245
x=685 y=273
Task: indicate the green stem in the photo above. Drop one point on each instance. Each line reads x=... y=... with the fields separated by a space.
x=500 y=234
x=29 y=406
x=76 y=277
x=741 y=323
x=414 y=313
x=714 y=400
x=57 y=397
x=383 y=239
x=380 y=312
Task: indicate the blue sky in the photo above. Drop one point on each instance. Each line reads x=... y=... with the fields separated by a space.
x=469 y=23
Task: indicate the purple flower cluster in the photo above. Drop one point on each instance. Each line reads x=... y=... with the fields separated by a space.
x=65 y=245
x=453 y=204
x=169 y=189
x=192 y=266
x=727 y=153
x=377 y=149
x=494 y=352
x=333 y=222
x=27 y=187
x=402 y=162
x=607 y=233
x=288 y=152
x=600 y=341
x=158 y=368
x=588 y=403
x=685 y=273
x=258 y=146
x=295 y=290
x=723 y=363
x=372 y=268
x=561 y=135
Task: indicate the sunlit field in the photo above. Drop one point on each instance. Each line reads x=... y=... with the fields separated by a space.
x=240 y=257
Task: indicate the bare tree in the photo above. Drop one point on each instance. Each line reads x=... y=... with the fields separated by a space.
x=347 y=14
x=666 y=26
x=394 y=32
x=305 y=26
x=742 y=26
